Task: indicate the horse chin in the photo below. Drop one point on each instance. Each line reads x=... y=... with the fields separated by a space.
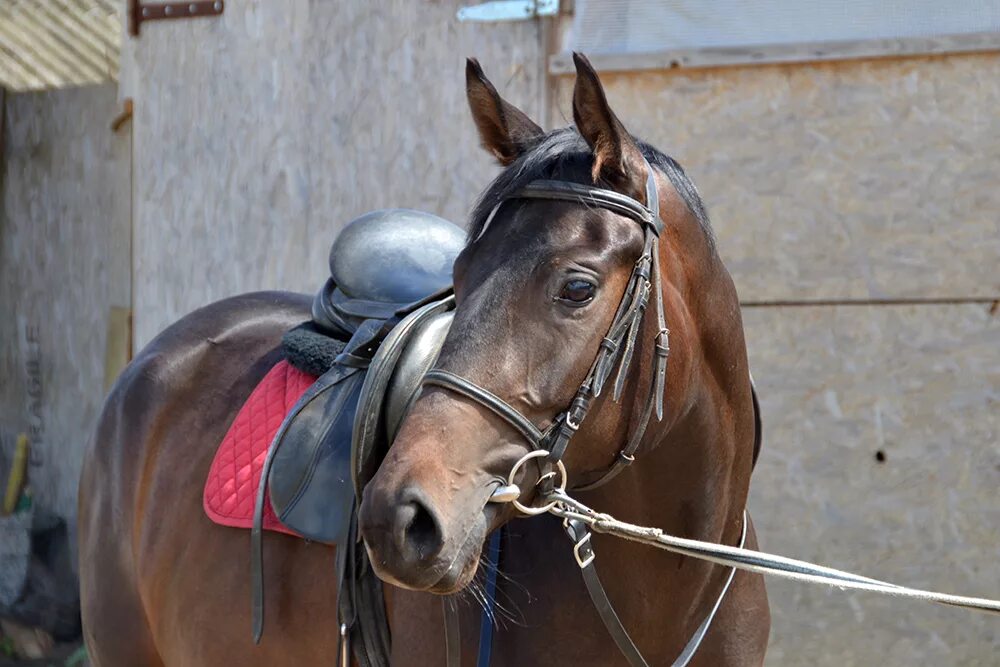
x=457 y=578
x=464 y=564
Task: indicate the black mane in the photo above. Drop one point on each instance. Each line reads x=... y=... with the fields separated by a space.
x=563 y=154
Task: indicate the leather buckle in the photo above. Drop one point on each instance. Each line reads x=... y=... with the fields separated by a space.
x=583 y=561
x=344 y=659
x=663 y=342
x=571 y=423
x=642 y=264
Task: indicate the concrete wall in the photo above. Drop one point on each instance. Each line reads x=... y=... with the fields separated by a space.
x=260 y=133
x=64 y=263
x=860 y=182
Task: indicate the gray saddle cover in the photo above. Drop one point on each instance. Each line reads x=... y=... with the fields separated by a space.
x=383 y=262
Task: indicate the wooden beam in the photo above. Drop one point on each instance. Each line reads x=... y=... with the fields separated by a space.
x=36 y=56
x=562 y=63
x=95 y=65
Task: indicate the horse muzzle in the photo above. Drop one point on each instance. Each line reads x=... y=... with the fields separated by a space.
x=413 y=543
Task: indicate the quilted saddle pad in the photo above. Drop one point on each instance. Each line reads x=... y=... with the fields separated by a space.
x=234 y=477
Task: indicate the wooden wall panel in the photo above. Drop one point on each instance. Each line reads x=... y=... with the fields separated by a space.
x=260 y=133
x=854 y=180
x=64 y=264
x=921 y=385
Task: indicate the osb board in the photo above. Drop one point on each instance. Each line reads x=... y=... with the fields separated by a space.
x=260 y=133
x=853 y=180
x=921 y=385
x=64 y=264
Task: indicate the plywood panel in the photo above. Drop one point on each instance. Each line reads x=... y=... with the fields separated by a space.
x=856 y=180
x=258 y=134
x=921 y=385
x=64 y=264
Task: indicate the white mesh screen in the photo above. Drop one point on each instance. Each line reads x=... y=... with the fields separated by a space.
x=644 y=26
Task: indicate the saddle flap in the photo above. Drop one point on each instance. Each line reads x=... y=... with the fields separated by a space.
x=309 y=480
x=392 y=382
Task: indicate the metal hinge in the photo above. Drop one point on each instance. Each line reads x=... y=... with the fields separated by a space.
x=509 y=10
x=138 y=12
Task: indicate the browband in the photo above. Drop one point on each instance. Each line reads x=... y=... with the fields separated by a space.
x=647 y=214
x=586 y=194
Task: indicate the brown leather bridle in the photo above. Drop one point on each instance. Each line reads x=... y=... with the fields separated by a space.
x=617 y=346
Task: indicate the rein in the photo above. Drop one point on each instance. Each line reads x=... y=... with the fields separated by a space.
x=550 y=444
x=739 y=558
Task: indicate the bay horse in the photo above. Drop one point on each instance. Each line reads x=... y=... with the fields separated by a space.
x=536 y=287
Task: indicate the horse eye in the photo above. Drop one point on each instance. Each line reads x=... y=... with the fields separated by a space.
x=577 y=292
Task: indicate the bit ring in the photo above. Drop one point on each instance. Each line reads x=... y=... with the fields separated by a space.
x=561 y=487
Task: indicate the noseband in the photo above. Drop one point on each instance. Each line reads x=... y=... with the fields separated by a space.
x=616 y=347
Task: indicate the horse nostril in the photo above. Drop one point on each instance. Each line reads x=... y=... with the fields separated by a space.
x=422 y=536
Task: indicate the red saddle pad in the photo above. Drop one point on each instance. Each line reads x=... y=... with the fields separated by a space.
x=233 y=479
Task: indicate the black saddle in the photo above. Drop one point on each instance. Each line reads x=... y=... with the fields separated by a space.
x=387 y=306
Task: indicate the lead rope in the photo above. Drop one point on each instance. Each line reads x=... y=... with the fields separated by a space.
x=569 y=509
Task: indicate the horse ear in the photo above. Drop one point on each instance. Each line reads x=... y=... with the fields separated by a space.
x=617 y=158
x=505 y=130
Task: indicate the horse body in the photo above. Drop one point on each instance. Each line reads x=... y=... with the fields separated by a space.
x=161 y=584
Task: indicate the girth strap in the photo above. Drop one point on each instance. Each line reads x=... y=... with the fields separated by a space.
x=452 y=629
x=486 y=621
x=329 y=379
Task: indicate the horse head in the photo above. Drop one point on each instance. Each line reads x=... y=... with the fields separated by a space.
x=540 y=286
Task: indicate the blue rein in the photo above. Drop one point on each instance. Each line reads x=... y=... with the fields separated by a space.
x=489 y=613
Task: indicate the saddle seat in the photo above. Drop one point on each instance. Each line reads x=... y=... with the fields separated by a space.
x=383 y=262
